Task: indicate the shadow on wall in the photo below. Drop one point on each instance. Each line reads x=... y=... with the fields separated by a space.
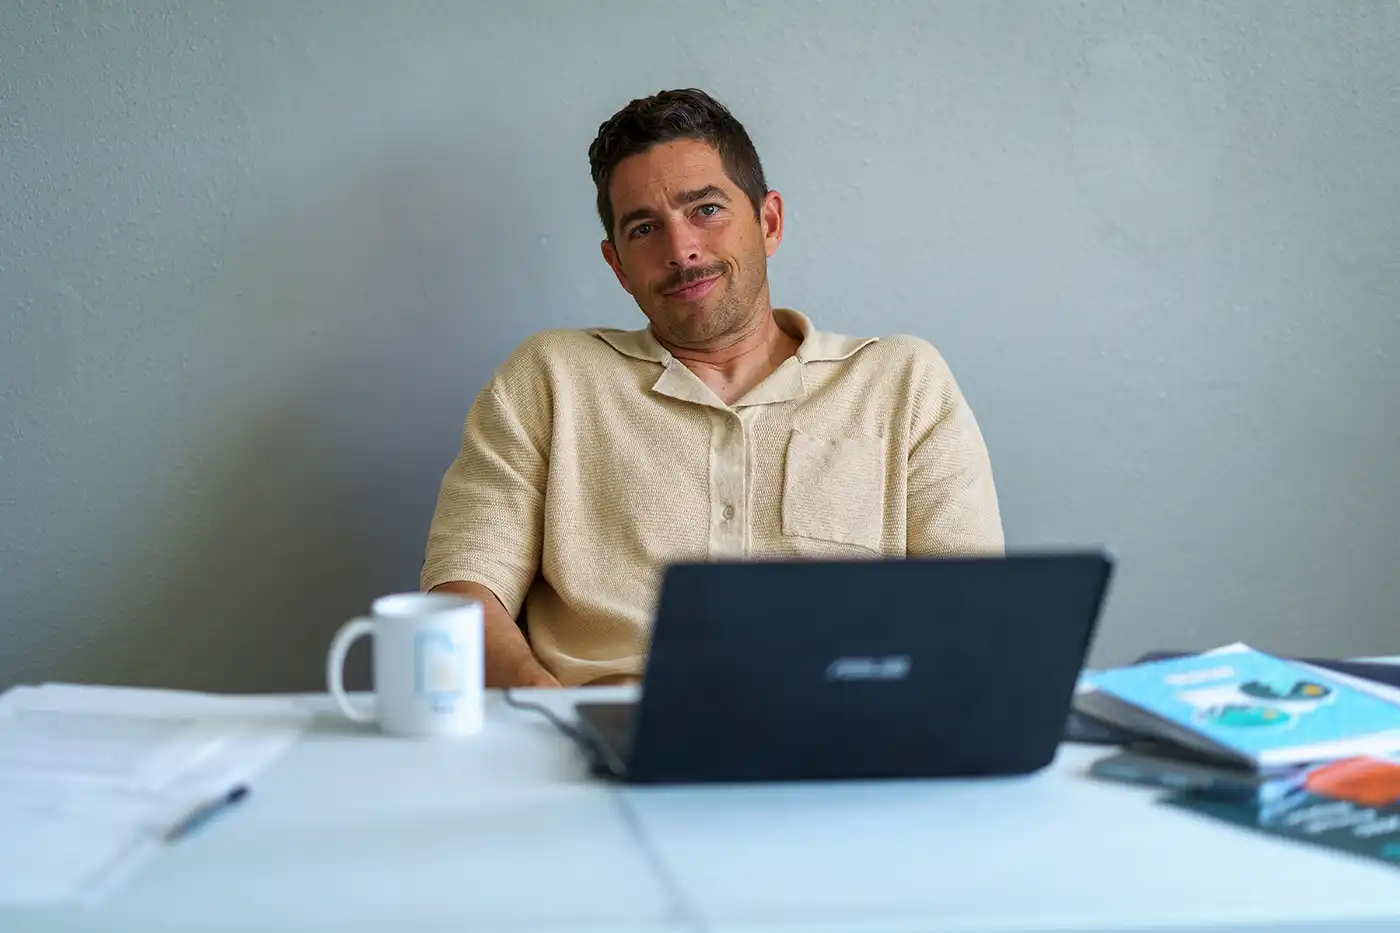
x=339 y=359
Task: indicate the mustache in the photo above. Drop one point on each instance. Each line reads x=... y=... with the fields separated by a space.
x=686 y=277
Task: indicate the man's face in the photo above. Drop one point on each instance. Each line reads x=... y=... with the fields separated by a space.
x=687 y=246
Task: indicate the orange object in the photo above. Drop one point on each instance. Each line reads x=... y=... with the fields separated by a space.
x=1370 y=782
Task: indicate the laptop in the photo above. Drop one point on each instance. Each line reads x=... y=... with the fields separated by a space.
x=822 y=670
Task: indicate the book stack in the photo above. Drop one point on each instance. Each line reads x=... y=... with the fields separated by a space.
x=1278 y=746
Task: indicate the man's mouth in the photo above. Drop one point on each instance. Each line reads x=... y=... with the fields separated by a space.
x=694 y=291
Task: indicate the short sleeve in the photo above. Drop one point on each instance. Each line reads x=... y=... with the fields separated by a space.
x=952 y=499
x=487 y=526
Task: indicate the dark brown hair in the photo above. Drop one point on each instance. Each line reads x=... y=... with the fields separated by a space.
x=668 y=116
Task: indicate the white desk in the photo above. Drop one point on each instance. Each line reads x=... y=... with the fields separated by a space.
x=505 y=832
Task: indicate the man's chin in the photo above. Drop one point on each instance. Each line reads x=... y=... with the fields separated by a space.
x=697 y=331
x=696 y=325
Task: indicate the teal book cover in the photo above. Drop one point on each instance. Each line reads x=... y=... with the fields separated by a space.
x=1351 y=805
x=1257 y=705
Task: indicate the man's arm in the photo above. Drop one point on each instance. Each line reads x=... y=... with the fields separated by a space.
x=486 y=534
x=952 y=500
x=509 y=660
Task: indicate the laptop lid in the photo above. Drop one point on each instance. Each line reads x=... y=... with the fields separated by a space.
x=864 y=669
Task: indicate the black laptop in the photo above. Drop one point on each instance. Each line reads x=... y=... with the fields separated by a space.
x=763 y=671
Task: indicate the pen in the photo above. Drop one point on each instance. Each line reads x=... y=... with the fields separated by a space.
x=204 y=813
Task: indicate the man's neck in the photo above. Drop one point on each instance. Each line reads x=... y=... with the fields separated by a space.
x=733 y=368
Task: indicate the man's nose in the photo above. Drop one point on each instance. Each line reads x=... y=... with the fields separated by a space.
x=682 y=245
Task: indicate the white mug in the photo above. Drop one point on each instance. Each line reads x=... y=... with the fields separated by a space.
x=429 y=675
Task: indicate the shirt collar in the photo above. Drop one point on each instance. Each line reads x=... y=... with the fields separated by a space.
x=783 y=384
x=817 y=346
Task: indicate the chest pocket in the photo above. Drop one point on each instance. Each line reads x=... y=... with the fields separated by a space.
x=834 y=489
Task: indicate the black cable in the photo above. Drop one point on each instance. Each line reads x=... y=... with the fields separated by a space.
x=569 y=732
x=594 y=751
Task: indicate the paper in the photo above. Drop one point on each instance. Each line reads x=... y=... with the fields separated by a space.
x=54 y=850
x=98 y=746
x=91 y=777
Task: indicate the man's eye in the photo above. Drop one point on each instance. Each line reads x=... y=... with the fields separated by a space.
x=640 y=230
x=709 y=210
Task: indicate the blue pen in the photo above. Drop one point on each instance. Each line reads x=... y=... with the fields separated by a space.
x=204 y=813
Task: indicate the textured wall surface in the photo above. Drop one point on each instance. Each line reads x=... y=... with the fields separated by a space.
x=256 y=258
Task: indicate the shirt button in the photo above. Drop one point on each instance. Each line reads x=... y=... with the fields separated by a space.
x=728 y=512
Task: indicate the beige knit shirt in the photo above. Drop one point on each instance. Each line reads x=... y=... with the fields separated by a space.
x=594 y=458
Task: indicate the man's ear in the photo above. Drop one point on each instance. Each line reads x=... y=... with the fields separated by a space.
x=770 y=220
x=610 y=255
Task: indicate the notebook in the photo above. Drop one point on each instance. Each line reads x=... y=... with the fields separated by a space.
x=1377 y=676
x=1246 y=707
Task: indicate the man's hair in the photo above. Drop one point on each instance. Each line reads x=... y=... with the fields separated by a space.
x=663 y=118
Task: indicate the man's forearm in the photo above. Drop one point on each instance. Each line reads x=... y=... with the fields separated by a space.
x=509 y=660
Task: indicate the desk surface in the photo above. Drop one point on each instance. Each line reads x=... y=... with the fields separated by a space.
x=505 y=832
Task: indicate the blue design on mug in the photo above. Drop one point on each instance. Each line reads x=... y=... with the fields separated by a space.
x=439 y=670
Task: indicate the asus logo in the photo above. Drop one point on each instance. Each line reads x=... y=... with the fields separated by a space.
x=890 y=667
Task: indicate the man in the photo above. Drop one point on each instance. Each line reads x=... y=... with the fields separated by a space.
x=725 y=429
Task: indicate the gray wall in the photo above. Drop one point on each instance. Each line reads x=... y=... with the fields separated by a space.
x=256 y=258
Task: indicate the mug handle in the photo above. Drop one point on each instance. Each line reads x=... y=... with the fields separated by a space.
x=335 y=666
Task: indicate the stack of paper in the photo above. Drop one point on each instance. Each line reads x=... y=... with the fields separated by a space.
x=91 y=778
